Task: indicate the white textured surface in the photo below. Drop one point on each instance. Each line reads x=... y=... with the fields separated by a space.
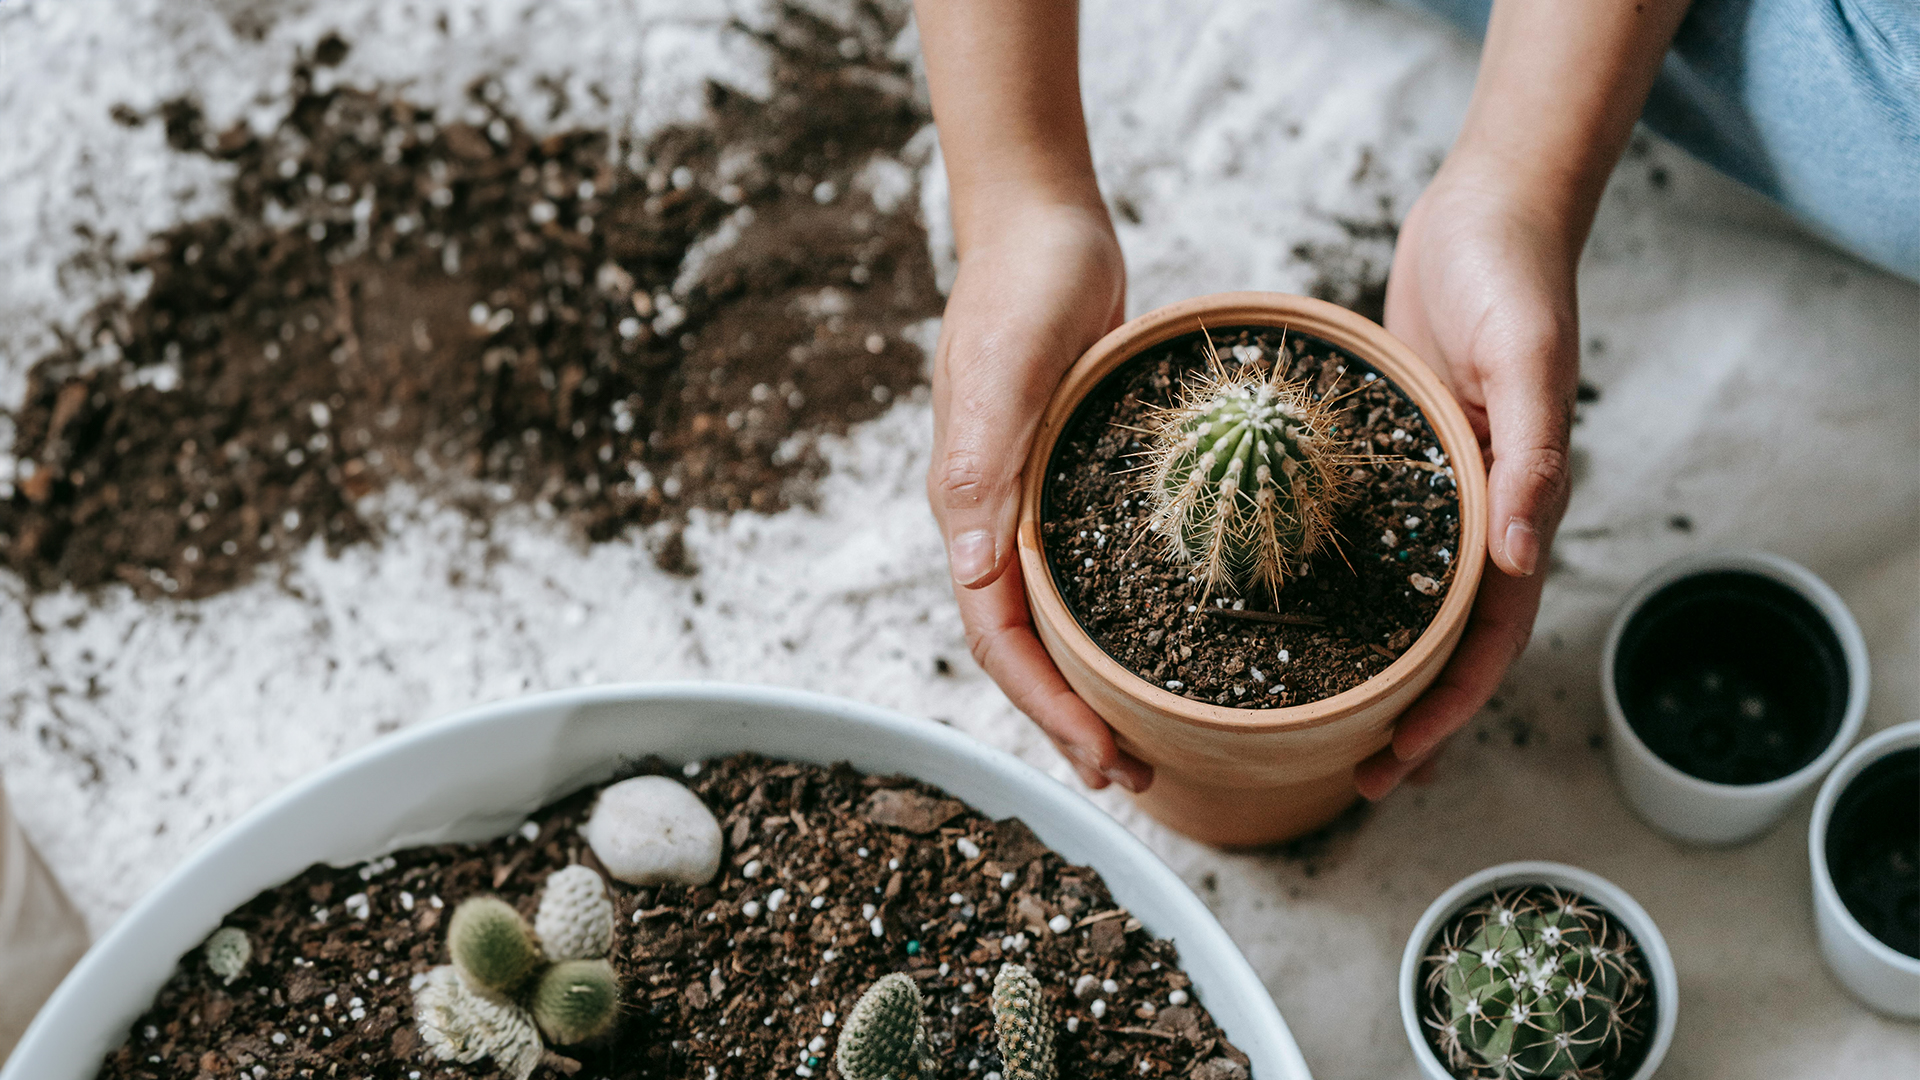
x=1752 y=380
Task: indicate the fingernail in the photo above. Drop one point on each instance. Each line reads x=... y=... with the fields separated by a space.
x=970 y=556
x=1082 y=757
x=1125 y=780
x=1523 y=547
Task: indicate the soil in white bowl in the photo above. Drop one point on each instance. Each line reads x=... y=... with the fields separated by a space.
x=831 y=879
x=1732 y=677
x=1873 y=850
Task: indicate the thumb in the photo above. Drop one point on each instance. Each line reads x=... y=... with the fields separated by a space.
x=974 y=480
x=1529 y=419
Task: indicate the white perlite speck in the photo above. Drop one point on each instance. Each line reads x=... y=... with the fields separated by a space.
x=650 y=830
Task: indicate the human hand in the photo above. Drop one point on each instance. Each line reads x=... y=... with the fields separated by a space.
x=1482 y=288
x=1034 y=291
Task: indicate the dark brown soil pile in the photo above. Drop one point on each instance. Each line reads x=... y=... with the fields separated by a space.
x=1361 y=603
x=397 y=295
x=710 y=990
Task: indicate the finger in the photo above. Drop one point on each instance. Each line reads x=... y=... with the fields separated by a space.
x=1004 y=644
x=1530 y=383
x=1496 y=634
x=1379 y=775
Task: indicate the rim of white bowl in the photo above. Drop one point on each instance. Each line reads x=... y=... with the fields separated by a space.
x=1853 y=646
x=1617 y=901
x=1876 y=746
x=1197 y=926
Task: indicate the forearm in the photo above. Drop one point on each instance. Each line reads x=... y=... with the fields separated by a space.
x=1561 y=84
x=1005 y=79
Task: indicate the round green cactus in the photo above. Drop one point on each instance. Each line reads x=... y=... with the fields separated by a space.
x=576 y=1001
x=1242 y=477
x=1532 y=985
x=1023 y=1025
x=885 y=1036
x=493 y=946
x=228 y=952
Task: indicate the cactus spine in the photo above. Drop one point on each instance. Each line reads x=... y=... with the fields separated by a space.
x=575 y=1001
x=1533 y=986
x=1242 y=477
x=1023 y=1025
x=575 y=920
x=493 y=946
x=228 y=952
x=885 y=1037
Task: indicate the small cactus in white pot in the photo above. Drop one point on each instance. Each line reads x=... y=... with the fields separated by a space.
x=1244 y=477
x=885 y=1036
x=1537 y=971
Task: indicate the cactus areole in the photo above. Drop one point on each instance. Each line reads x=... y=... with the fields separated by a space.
x=1243 y=476
x=1535 y=983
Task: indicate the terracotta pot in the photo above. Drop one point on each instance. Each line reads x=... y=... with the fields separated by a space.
x=1245 y=777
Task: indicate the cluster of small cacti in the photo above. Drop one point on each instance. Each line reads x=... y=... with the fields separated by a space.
x=1243 y=477
x=510 y=984
x=885 y=1037
x=1528 y=986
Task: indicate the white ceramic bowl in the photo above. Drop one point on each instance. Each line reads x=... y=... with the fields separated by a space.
x=1698 y=811
x=1666 y=985
x=1879 y=975
x=478 y=774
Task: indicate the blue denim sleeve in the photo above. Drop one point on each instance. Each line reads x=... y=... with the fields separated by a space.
x=1814 y=103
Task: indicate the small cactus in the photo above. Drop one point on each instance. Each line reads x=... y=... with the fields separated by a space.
x=885 y=1036
x=1529 y=986
x=460 y=1025
x=1243 y=477
x=575 y=918
x=576 y=1001
x=228 y=952
x=1023 y=1025
x=493 y=946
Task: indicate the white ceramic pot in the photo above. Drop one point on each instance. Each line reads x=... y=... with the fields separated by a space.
x=1666 y=985
x=478 y=774
x=1699 y=811
x=1880 y=976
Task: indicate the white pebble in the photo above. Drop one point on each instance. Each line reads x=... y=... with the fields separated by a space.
x=967 y=848
x=1059 y=924
x=1284 y=657
x=829 y=956
x=1178 y=997
x=751 y=909
x=1073 y=1024
x=775 y=899
x=877 y=928
x=1109 y=986
x=827 y=1018
x=751 y=870
x=817 y=903
x=1084 y=985
x=529 y=832
x=1007 y=879
x=650 y=830
x=690 y=770
x=867 y=911
x=1098 y=1008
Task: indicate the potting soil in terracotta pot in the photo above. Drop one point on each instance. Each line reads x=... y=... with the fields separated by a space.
x=719 y=980
x=1616 y=1059
x=1873 y=850
x=1363 y=598
x=1732 y=677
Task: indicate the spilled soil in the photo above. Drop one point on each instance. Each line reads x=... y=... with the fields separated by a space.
x=613 y=332
x=831 y=880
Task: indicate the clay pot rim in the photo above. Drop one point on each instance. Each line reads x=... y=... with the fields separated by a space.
x=1338 y=326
